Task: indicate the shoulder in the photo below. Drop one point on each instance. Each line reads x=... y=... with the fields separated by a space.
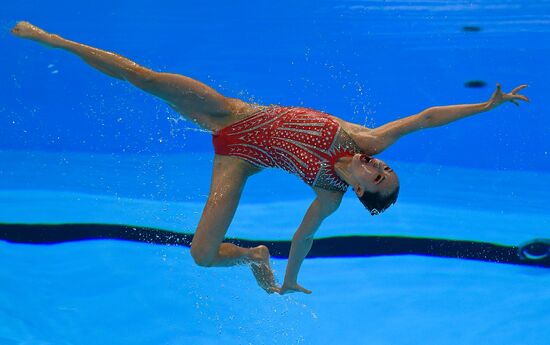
x=370 y=141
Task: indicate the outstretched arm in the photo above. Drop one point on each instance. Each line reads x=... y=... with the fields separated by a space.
x=324 y=205
x=380 y=138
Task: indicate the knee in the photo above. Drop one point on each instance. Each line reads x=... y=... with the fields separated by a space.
x=148 y=77
x=201 y=257
x=141 y=76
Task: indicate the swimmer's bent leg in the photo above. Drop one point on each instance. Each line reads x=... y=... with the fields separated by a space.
x=228 y=179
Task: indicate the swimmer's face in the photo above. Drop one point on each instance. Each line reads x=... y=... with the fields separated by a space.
x=372 y=175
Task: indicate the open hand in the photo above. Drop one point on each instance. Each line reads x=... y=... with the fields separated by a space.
x=498 y=97
x=290 y=288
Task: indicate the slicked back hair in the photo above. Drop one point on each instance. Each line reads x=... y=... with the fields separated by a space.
x=377 y=203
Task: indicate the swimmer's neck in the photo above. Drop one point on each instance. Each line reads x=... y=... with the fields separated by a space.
x=342 y=167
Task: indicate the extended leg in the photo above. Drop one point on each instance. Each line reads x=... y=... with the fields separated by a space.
x=190 y=97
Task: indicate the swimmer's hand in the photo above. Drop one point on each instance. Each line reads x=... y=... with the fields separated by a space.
x=292 y=287
x=499 y=98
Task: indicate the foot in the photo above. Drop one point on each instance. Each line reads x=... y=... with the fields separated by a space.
x=261 y=268
x=27 y=30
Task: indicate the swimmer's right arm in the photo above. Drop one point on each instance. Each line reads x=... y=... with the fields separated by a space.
x=324 y=205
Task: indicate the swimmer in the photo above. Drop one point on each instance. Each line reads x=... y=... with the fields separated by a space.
x=326 y=152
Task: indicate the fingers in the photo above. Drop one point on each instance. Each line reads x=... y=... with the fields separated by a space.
x=518 y=89
x=306 y=291
x=514 y=98
x=283 y=290
x=522 y=97
x=514 y=91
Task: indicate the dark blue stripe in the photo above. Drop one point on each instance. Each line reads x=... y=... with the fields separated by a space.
x=331 y=247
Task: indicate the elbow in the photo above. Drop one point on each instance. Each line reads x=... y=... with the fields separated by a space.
x=330 y=210
x=426 y=118
x=303 y=238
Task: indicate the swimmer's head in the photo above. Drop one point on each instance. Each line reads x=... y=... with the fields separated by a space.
x=376 y=184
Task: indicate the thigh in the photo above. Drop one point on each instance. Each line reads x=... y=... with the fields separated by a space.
x=191 y=98
x=228 y=179
x=190 y=95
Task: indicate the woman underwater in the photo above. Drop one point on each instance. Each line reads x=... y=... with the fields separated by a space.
x=327 y=153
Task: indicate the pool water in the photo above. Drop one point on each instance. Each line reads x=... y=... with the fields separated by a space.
x=128 y=179
x=120 y=292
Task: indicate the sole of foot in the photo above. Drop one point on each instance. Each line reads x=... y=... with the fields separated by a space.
x=262 y=270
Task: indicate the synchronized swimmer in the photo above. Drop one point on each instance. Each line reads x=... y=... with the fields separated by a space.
x=326 y=152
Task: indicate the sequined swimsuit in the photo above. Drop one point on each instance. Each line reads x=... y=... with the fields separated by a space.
x=302 y=141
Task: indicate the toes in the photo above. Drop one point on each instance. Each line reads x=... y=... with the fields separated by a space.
x=16 y=29
x=274 y=289
x=264 y=276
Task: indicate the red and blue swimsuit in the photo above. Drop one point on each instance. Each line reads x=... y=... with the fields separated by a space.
x=302 y=141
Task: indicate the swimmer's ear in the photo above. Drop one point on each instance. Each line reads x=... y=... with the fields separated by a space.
x=358 y=191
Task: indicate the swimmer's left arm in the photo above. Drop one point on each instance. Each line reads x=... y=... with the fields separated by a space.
x=379 y=139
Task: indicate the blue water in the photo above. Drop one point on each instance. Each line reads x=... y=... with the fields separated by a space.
x=79 y=147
